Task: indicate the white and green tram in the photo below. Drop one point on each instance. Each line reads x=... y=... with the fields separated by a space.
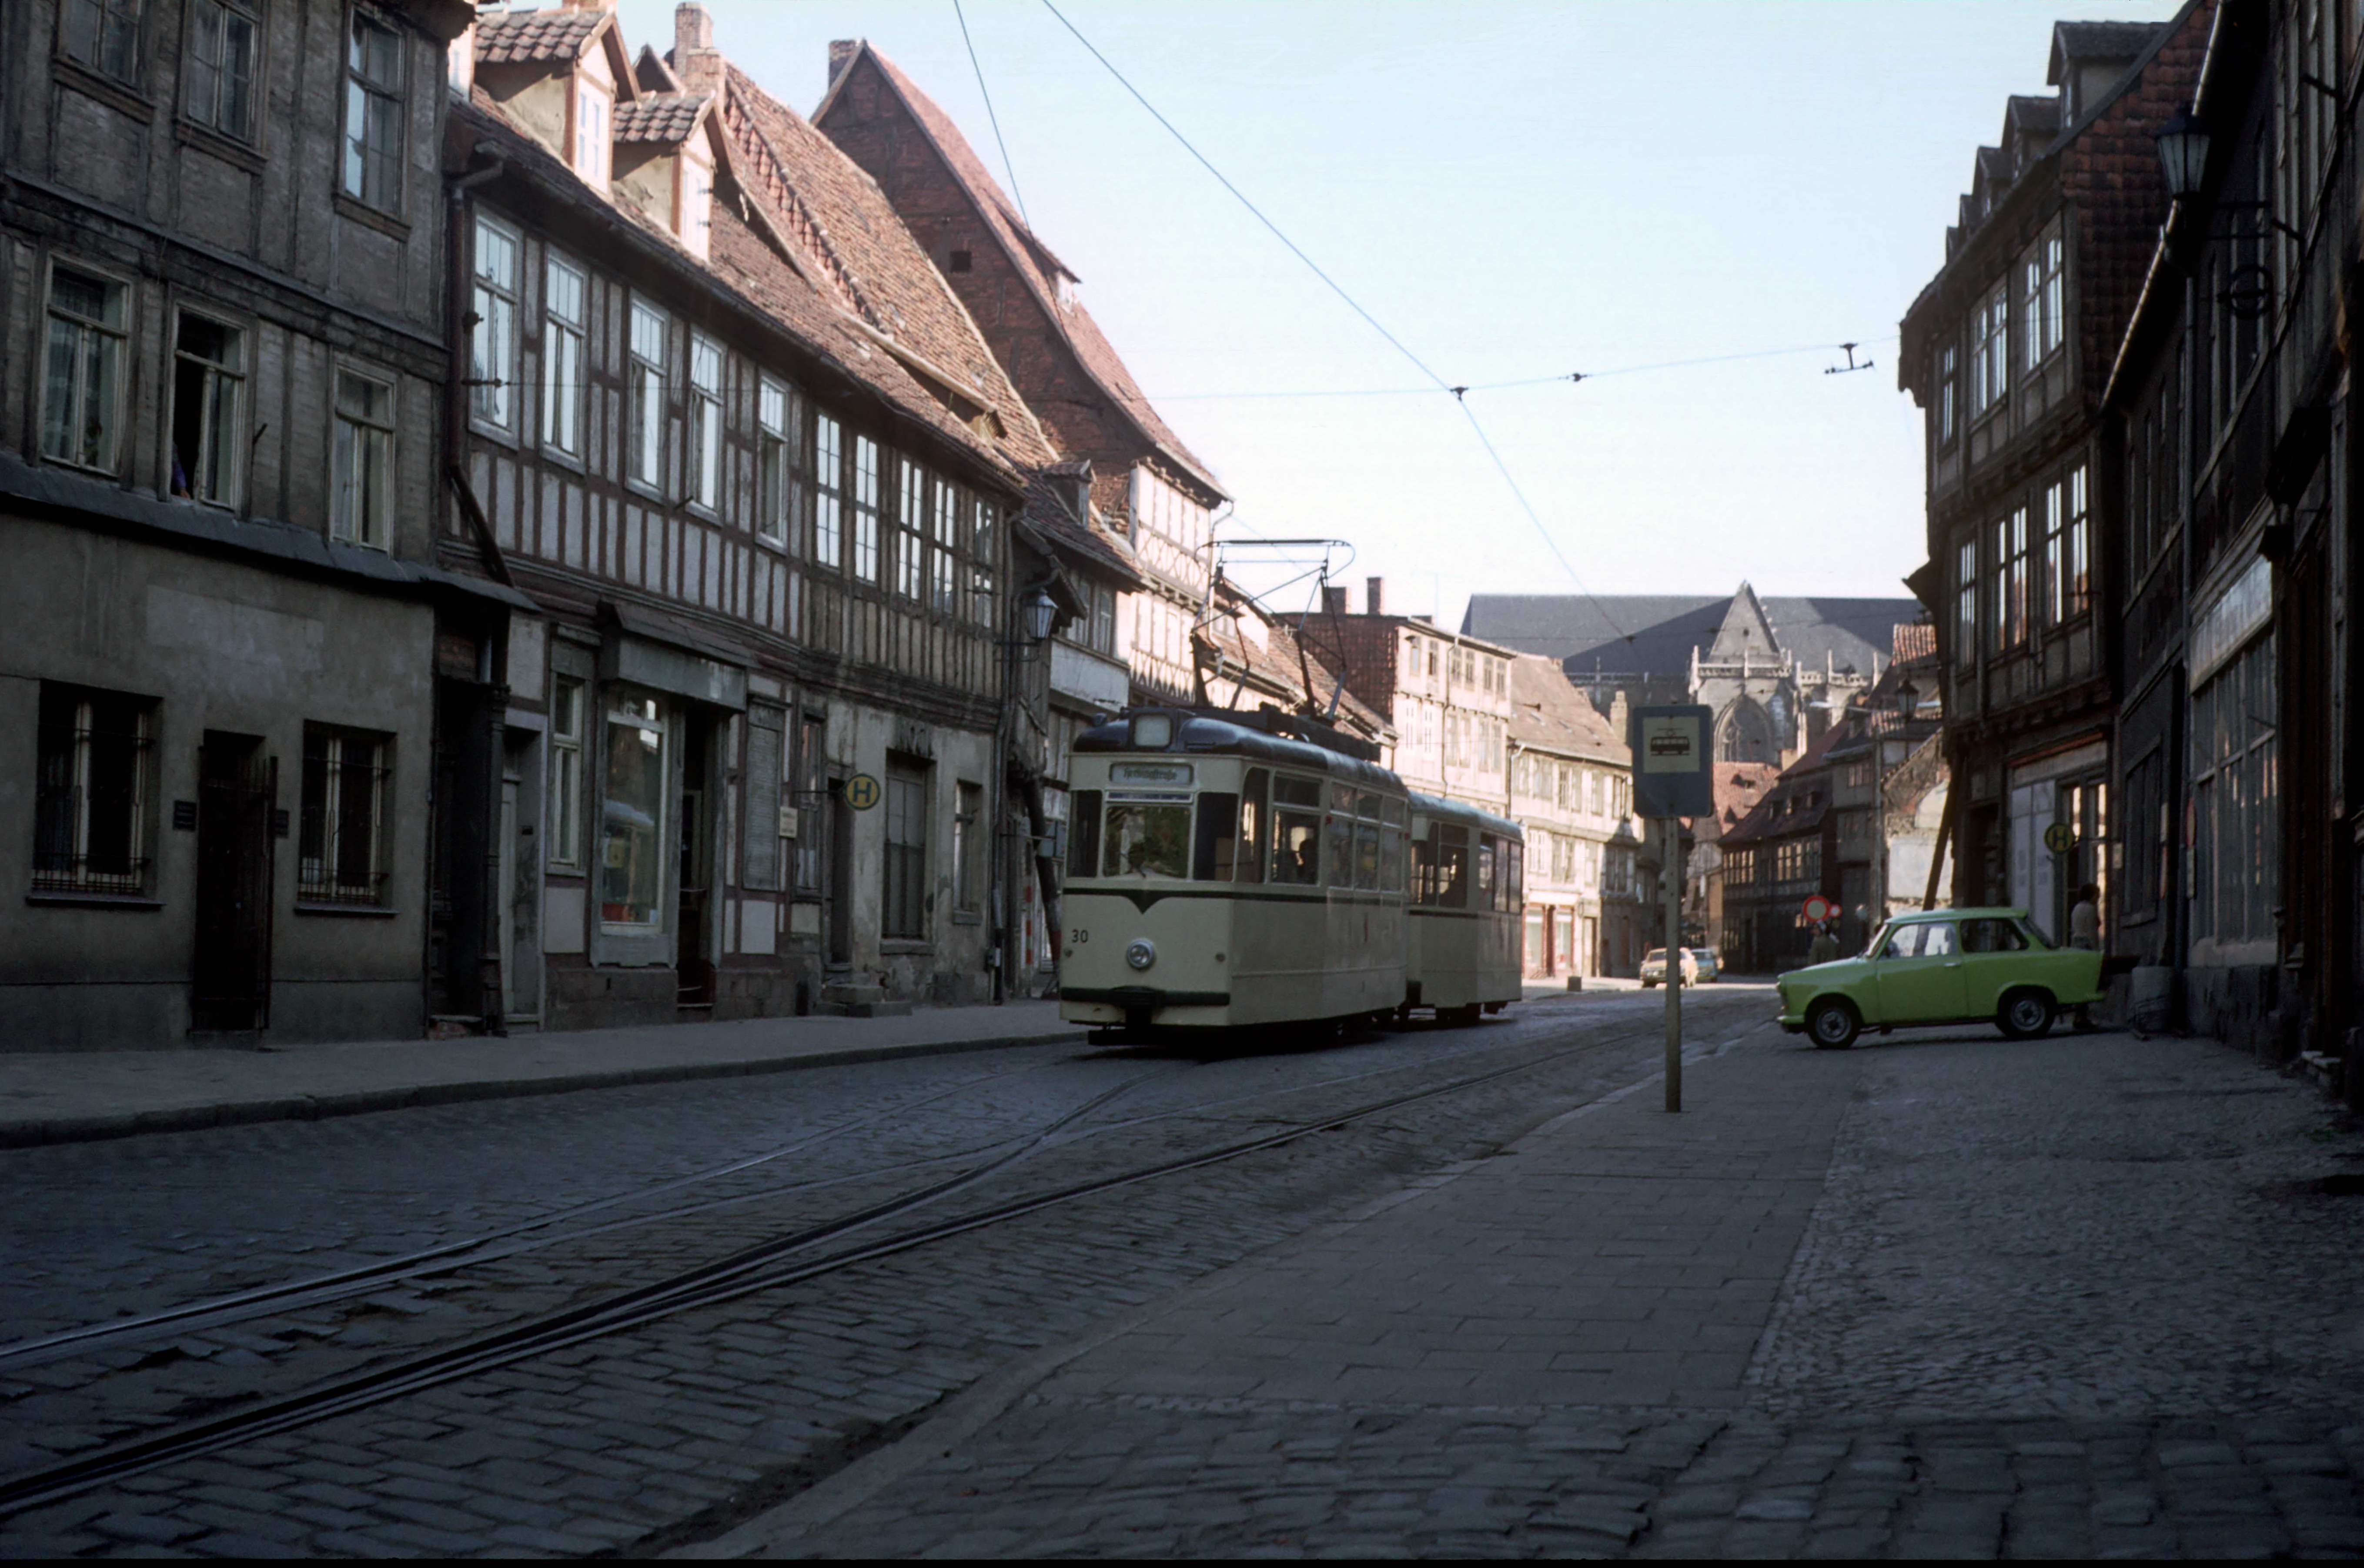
x=1229 y=870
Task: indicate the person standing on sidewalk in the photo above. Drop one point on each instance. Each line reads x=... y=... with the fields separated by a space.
x=1825 y=948
x=2085 y=918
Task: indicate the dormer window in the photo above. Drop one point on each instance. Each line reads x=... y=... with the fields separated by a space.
x=1064 y=288
x=592 y=116
x=696 y=225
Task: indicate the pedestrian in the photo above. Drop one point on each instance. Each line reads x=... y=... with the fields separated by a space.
x=1826 y=946
x=2085 y=918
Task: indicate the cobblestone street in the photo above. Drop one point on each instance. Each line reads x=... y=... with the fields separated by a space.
x=1938 y=1297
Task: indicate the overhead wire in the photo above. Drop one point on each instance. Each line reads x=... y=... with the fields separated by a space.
x=1008 y=170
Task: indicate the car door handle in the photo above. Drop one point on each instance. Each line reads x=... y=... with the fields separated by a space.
x=1953 y=963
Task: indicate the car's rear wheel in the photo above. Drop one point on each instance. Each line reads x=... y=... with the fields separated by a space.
x=2024 y=1014
x=1832 y=1023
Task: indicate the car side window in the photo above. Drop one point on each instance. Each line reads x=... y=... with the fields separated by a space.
x=1904 y=943
x=1939 y=940
x=1992 y=936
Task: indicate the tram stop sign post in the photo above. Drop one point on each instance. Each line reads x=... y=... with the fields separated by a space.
x=1672 y=779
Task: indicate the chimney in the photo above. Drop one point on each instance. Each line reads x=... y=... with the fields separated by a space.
x=1371 y=595
x=695 y=58
x=840 y=55
x=1334 y=601
x=1620 y=717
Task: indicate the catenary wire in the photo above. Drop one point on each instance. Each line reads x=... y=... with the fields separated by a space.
x=1009 y=170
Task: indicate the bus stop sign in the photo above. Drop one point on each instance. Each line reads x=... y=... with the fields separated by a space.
x=1672 y=776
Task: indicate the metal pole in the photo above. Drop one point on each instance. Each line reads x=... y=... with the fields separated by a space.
x=1674 y=875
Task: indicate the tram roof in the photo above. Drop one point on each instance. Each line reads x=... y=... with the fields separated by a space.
x=1222 y=732
x=1462 y=811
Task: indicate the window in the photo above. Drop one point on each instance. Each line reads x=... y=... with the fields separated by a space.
x=340 y=855
x=1084 y=841
x=564 y=321
x=2054 y=589
x=1966 y=604
x=1989 y=351
x=865 y=509
x=1218 y=846
x=362 y=483
x=946 y=566
x=981 y=548
x=1248 y=861
x=633 y=819
x=82 y=377
x=492 y=341
x=1103 y=630
x=2076 y=575
x=644 y=393
x=2237 y=843
x=373 y=114
x=829 y=489
x=1143 y=839
x=968 y=847
x=778 y=417
x=1949 y=376
x=811 y=780
x=221 y=68
x=1296 y=834
x=705 y=422
x=903 y=911
x=912 y=532
x=2011 y=580
x=566 y=840
x=208 y=386
x=90 y=805
x=591 y=138
x=697 y=226
x=2040 y=301
x=1992 y=936
x=104 y=36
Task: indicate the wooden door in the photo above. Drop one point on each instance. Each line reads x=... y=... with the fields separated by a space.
x=238 y=789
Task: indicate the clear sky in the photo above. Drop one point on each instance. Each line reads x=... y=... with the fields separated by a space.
x=1514 y=190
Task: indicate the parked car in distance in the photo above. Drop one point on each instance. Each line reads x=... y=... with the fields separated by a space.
x=1942 y=966
x=1710 y=967
x=1654 y=968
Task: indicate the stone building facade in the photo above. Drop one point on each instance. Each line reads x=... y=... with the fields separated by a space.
x=1570 y=783
x=223 y=282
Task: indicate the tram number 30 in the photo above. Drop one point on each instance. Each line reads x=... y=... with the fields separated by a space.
x=1077 y=937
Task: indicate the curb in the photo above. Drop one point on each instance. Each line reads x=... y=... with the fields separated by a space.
x=362 y=1102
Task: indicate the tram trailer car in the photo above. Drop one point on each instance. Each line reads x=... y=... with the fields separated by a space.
x=1229 y=870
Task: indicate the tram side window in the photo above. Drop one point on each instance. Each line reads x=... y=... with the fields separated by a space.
x=1340 y=849
x=1488 y=885
x=1218 y=836
x=1084 y=833
x=1518 y=879
x=1423 y=870
x=1296 y=831
x=1452 y=867
x=1145 y=840
x=1391 y=845
x=1253 y=831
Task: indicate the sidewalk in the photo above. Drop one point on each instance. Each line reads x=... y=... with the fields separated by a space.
x=1963 y=1297
x=75 y=1096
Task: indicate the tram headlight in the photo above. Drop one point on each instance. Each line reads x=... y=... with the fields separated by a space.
x=1141 y=953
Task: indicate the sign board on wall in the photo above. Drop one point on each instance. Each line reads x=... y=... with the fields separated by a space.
x=1673 y=760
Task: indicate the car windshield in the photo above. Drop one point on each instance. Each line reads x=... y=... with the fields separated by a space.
x=1656 y=955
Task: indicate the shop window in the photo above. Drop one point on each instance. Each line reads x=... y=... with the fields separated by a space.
x=2236 y=787
x=90 y=803
x=565 y=322
x=903 y=909
x=340 y=856
x=374 y=91
x=633 y=819
x=363 y=505
x=220 y=67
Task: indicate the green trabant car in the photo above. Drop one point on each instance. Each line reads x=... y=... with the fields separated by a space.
x=1943 y=966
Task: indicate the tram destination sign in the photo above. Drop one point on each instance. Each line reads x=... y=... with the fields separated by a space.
x=1672 y=762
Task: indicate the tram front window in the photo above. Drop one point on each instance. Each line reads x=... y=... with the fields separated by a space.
x=1296 y=831
x=1145 y=840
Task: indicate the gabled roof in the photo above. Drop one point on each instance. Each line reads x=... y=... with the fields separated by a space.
x=1281 y=667
x=2077 y=42
x=1656 y=634
x=1078 y=541
x=840 y=234
x=1549 y=715
x=1033 y=262
x=536 y=38
x=1745 y=631
x=659 y=118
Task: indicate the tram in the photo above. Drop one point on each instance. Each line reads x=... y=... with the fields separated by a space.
x=1231 y=870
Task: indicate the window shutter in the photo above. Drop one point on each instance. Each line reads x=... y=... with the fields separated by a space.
x=766 y=726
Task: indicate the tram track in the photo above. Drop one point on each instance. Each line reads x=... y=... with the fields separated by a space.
x=772 y=1264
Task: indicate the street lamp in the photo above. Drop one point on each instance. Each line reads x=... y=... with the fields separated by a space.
x=1040 y=611
x=2183 y=154
x=1907 y=699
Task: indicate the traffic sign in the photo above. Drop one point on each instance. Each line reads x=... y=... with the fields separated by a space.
x=1819 y=909
x=862 y=792
x=1672 y=761
x=2061 y=837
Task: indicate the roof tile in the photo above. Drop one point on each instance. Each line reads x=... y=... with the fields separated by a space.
x=536 y=38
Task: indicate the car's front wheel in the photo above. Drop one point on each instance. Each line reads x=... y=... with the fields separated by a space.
x=1833 y=1024
x=2024 y=1014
